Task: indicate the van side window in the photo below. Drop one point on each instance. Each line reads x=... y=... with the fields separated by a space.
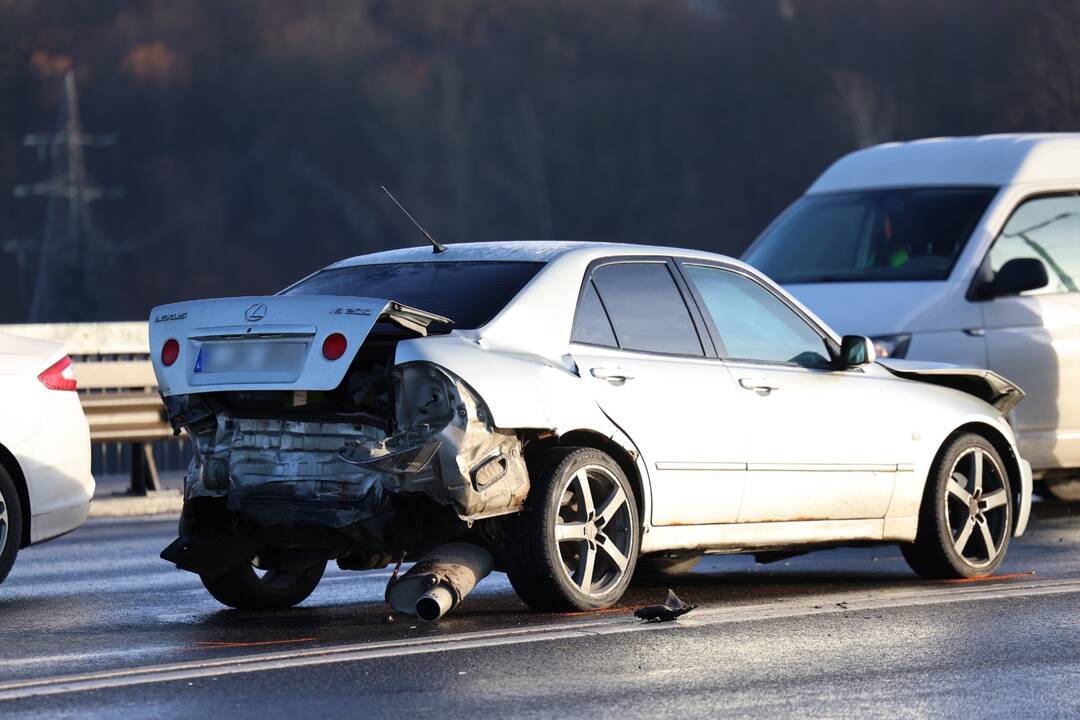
x=1046 y=228
x=646 y=308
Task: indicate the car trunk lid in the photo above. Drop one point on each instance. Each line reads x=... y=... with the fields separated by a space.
x=267 y=343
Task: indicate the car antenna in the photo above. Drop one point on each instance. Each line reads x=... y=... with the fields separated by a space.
x=437 y=247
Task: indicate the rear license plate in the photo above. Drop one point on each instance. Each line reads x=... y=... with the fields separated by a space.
x=250 y=356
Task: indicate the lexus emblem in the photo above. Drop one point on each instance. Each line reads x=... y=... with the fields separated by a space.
x=255 y=313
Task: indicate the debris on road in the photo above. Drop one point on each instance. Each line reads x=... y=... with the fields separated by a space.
x=672 y=608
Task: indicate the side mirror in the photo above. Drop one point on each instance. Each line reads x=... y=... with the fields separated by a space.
x=1019 y=275
x=856 y=350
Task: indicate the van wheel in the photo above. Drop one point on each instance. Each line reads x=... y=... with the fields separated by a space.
x=10 y=523
x=576 y=542
x=662 y=567
x=1064 y=488
x=965 y=521
x=244 y=588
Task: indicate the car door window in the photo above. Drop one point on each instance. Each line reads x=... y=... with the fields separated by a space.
x=591 y=323
x=646 y=309
x=753 y=323
x=1046 y=228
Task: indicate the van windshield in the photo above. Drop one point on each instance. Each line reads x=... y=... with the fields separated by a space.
x=871 y=235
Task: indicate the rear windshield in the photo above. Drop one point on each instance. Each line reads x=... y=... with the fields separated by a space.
x=871 y=235
x=469 y=293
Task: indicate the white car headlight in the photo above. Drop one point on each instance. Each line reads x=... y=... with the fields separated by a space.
x=892 y=346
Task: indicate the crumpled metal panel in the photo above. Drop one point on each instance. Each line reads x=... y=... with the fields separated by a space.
x=986 y=385
x=245 y=452
x=477 y=469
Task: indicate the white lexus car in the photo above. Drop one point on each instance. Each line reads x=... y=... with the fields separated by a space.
x=573 y=409
x=45 y=480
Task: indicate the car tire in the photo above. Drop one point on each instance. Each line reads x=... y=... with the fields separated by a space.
x=244 y=588
x=966 y=517
x=11 y=522
x=576 y=542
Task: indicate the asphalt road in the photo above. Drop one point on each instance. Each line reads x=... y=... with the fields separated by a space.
x=95 y=625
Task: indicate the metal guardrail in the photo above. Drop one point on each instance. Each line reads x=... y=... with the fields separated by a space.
x=117 y=388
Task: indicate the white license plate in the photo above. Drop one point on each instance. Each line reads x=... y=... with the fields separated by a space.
x=250 y=356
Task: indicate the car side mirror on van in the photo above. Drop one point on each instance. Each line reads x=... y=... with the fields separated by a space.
x=1018 y=275
x=856 y=350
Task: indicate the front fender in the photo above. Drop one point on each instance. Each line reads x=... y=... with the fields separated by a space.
x=947 y=411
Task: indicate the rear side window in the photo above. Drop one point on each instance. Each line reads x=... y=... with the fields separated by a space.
x=591 y=324
x=645 y=307
x=1047 y=229
x=469 y=293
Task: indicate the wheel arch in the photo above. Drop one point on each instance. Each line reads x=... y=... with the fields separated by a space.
x=15 y=472
x=621 y=455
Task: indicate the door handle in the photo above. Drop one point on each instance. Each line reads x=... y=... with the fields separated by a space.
x=759 y=385
x=613 y=375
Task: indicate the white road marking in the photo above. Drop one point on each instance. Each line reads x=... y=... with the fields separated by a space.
x=141 y=651
x=566 y=630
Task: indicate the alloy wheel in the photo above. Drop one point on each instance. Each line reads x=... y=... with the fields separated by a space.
x=594 y=530
x=977 y=507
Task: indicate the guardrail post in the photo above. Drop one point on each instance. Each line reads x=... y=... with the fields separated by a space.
x=144 y=474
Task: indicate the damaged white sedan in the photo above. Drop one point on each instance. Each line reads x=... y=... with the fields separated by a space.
x=564 y=412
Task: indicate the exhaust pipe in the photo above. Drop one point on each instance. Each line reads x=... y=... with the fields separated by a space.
x=439 y=581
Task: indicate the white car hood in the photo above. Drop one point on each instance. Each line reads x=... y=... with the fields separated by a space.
x=986 y=385
x=877 y=308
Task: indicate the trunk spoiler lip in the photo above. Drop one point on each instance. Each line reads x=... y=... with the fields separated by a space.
x=987 y=385
x=412 y=318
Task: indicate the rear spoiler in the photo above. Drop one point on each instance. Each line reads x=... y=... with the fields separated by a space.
x=986 y=385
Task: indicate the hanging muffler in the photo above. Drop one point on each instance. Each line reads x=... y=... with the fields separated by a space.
x=439 y=581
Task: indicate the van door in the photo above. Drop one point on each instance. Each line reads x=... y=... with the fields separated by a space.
x=652 y=370
x=1034 y=338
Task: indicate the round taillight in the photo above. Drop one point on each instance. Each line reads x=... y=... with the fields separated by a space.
x=169 y=352
x=334 y=346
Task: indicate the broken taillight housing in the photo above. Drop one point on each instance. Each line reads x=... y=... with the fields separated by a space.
x=170 y=351
x=60 y=375
x=334 y=346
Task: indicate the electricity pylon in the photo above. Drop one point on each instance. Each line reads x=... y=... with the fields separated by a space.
x=75 y=277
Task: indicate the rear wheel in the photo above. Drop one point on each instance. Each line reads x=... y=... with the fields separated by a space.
x=576 y=542
x=246 y=588
x=965 y=521
x=10 y=523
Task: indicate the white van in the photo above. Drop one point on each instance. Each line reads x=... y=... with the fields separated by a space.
x=959 y=250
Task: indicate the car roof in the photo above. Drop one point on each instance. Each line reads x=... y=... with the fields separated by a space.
x=522 y=250
x=986 y=160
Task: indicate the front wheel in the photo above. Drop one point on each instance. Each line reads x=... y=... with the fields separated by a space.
x=965 y=521
x=576 y=542
x=245 y=588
